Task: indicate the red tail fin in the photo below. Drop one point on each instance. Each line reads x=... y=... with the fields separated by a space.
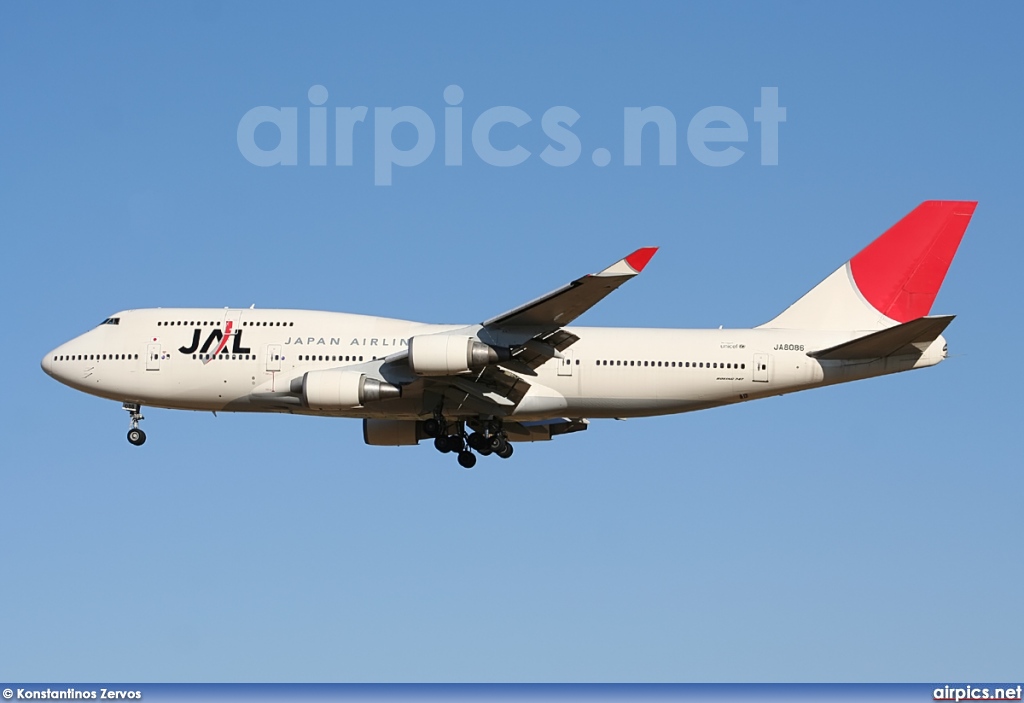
x=900 y=272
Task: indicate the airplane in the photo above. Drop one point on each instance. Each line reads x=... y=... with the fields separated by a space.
x=527 y=374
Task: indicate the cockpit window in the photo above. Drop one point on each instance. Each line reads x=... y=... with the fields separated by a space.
x=111 y=321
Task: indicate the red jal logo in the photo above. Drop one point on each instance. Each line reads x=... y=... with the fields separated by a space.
x=220 y=339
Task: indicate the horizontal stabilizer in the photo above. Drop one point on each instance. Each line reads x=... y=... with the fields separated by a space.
x=909 y=338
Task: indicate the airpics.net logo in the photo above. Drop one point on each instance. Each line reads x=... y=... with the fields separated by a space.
x=716 y=136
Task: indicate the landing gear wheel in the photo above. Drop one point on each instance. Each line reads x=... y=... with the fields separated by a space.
x=494 y=442
x=506 y=451
x=477 y=441
x=441 y=444
x=135 y=435
x=456 y=443
x=432 y=427
x=467 y=459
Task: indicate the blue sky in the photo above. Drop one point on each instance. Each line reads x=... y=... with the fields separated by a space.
x=865 y=532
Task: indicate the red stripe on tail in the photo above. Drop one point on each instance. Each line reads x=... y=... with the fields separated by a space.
x=900 y=273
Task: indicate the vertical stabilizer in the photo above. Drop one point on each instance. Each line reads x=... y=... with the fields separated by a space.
x=892 y=280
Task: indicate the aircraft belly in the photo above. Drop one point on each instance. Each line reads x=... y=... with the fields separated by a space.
x=634 y=407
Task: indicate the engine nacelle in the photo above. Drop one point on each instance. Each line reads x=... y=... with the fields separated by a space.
x=447 y=354
x=340 y=389
x=392 y=433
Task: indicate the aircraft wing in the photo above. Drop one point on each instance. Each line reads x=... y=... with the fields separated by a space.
x=560 y=307
x=534 y=331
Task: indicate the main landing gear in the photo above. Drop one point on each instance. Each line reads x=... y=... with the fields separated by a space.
x=135 y=435
x=452 y=438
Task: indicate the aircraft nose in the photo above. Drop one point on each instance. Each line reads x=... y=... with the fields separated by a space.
x=47 y=363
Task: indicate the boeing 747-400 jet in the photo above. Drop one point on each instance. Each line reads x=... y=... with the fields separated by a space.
x=527 y=374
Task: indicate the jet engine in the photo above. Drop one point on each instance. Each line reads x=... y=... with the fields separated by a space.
x=445 y=354
x=340 y=389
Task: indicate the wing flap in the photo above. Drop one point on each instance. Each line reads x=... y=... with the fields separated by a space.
x=538 y=350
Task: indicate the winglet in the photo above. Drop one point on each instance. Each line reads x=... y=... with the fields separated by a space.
x=632 y=264
x=640 y=258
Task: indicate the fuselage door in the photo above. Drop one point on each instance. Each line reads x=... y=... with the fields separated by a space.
x=273 y=357
x=565 y=363
x=152 y=357
x=762 y=367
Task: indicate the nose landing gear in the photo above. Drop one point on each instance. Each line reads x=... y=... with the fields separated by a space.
x=135 y=435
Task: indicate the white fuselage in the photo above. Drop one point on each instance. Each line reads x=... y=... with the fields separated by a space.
x=181 y=358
